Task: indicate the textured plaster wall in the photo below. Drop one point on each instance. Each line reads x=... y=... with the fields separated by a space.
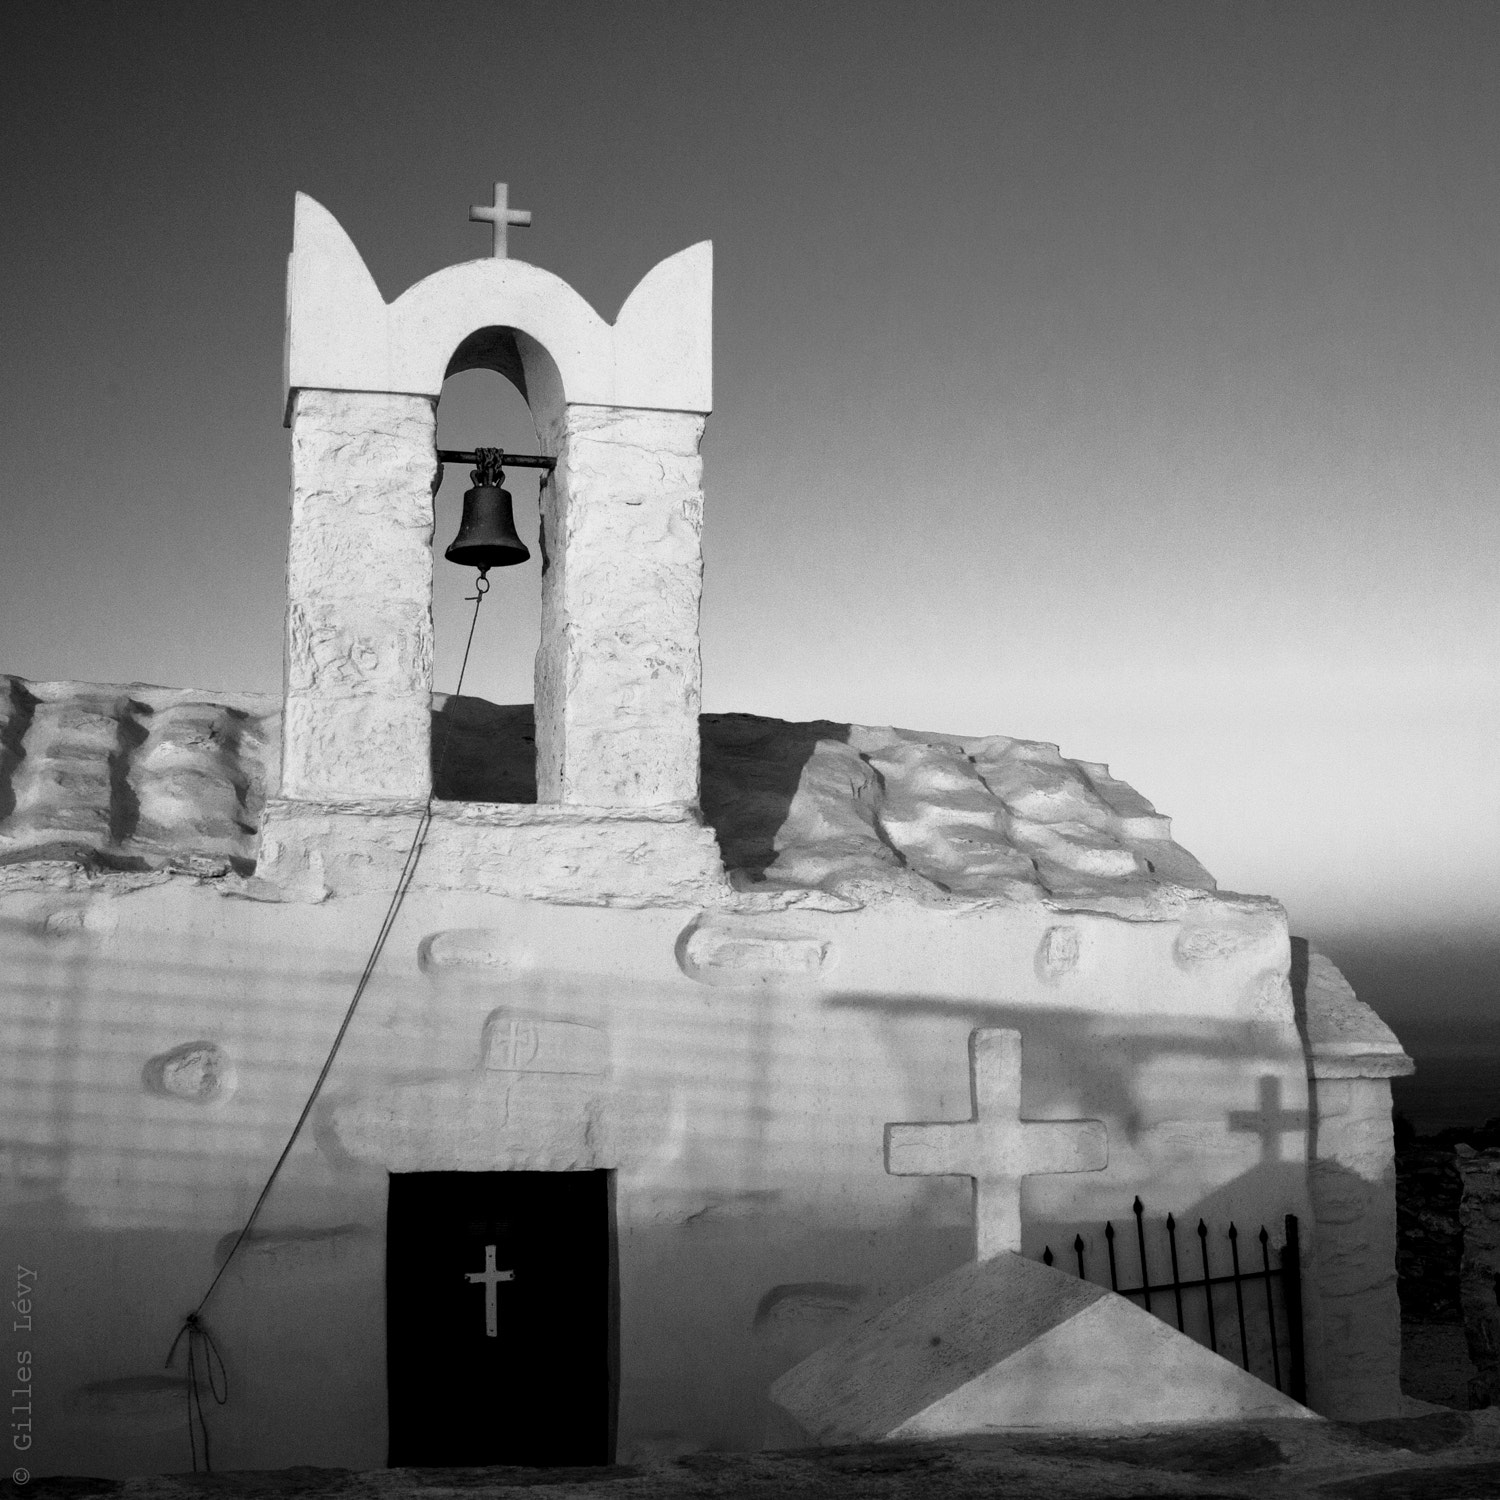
x=735 y=1068
x=618 y=674
x=359 y=596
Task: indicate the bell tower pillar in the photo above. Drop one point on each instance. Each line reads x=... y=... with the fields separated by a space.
x=358 y=655
x=618 y=674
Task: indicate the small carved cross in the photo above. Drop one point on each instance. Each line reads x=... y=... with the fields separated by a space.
x=501 y=216
x=517 y=1046
x=995 y=1146
x=1270 y=1122
x=491 y=1279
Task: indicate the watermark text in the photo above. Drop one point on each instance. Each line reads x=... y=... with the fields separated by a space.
x=20 y=1391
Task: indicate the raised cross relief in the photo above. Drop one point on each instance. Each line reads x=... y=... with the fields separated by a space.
x=995 y=1146
x=491 y=1278
x=500 y=216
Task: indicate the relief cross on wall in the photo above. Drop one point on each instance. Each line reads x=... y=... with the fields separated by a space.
x=996 y=1147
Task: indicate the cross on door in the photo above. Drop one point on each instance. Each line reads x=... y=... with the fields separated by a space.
x=1270 y=1122
x=491 y=1279
x=501 y=216
x=995 y=1146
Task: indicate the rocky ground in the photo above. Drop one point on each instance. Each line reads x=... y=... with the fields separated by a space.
x=1442 y=1456
x=1451 y=1454
x=1435 y=1356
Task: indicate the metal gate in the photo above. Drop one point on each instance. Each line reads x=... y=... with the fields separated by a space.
x=1261 y=1339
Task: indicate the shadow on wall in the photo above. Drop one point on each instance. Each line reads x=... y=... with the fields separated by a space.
x=1126 y=1075
x=751 y=768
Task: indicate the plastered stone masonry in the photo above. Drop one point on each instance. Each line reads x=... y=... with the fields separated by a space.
x=1352 y=1057
x=342 y=335
x=618 y=675
x=359 y=597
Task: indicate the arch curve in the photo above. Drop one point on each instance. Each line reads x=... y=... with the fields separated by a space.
x=342 y=335
x=517 y=357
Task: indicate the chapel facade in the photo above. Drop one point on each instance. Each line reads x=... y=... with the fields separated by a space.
x=695 y=1043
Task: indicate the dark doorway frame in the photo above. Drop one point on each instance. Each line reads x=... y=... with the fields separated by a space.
x=447 y=1191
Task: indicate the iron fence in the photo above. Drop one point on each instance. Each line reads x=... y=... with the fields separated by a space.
x=1265 y=1342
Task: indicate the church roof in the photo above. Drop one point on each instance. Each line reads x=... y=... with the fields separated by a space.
x=97 y=778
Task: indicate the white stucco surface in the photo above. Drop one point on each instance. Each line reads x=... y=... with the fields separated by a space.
x=618 y=673
x=1352 y=1057
x=342 y=335
x=359 y=597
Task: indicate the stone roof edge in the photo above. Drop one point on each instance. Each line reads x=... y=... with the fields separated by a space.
x=1345 y=1037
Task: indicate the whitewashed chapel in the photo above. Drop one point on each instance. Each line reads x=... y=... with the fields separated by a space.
x=704 y=1052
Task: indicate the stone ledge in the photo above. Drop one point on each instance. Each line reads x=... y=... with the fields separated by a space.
x=592 y=856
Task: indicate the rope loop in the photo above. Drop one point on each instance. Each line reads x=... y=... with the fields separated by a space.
x=200 y=1343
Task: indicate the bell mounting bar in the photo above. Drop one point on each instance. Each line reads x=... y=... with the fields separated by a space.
x=507 y=460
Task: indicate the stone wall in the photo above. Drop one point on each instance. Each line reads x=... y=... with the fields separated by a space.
x=618 y=673
x=359 y=597
x=1479 y=1278
x=1354 y=1323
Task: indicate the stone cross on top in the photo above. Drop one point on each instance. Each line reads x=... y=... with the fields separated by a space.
x=501 y=216
x=995 y=1146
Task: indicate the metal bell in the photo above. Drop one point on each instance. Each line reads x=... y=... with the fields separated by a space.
x=487 y=534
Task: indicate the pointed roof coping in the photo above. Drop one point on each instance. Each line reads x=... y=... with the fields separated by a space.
x=342 y=335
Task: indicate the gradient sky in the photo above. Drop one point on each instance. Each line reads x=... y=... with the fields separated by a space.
x=1118 y=375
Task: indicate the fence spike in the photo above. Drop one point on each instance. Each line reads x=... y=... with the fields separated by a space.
x=1138 y=1209
x=1208 y=1287
x=1265 y=1258
x=1109 y=1240
x=1291 y=1296
x=1078 y=1251
x=1239 y=1295
x=1047 y=1255
x=1176 y=1279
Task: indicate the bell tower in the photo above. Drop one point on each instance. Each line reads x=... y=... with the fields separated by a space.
x=621 y=409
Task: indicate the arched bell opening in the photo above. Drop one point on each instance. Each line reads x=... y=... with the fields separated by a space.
x=484 y=741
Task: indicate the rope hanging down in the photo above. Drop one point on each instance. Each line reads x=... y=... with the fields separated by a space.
x=199 y=1340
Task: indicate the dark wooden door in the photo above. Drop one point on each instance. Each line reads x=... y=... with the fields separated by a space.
x=500 y=1318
